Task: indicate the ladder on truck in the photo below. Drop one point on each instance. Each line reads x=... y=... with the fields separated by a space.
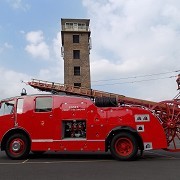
x=91 y=93
x=168 y=112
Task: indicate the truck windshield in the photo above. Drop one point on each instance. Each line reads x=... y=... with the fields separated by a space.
x=7 y=108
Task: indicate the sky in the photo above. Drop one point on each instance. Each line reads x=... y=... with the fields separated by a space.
x=135 y=45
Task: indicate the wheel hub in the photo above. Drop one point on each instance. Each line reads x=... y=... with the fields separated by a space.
x=16 y=146
x=124 y=146
x=171 y=124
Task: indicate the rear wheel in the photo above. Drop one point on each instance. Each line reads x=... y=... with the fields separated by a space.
x=124 y=146
x=17 y=146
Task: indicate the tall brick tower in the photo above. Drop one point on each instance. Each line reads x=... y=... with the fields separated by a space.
x=76 y=45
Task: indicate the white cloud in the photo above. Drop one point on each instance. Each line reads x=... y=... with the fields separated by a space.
x=5 y=46
x=38 y=50
x=22 y=31
x=19 y=4
x=57 y=45
x=11 y=84
x=55 y=71
x=134 y=38
x=37 y=47
x=35 y=37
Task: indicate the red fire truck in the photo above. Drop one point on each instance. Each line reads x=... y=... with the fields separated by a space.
x=51 y=122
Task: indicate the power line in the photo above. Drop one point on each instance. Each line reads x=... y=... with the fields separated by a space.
x=139 y=76
x=129 y=82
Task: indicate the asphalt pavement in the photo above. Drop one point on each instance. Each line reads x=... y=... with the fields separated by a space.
x=160 y=165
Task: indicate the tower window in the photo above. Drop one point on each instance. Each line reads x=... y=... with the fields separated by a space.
x=81 y=26
x=76 y=54
x=75 y=26
x=77 y=84
x=75 y=38
x=77 y=70
x=69 y=25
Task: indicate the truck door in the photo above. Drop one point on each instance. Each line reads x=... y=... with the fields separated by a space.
x=43 y=121
x=7 y=117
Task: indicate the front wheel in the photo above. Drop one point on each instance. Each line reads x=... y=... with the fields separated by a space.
x=124 y=146
x=17 y=146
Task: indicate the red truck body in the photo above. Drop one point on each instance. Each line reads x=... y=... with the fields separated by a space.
x=40 y=123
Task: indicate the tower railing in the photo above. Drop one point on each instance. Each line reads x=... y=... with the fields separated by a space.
x=75 y=28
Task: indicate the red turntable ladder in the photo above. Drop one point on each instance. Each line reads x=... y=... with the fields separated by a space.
x=168 y=112
x=81 y=91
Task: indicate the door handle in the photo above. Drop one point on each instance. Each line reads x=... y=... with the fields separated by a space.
x=50 y=115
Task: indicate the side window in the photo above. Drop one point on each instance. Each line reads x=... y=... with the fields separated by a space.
x=77 y=71
x=43 y=104
x=20 y=106
x=75 y=38
x=76 y=54
x=77 y=84
x=7 y=108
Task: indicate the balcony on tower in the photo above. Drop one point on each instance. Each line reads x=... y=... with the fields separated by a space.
x=75 y=25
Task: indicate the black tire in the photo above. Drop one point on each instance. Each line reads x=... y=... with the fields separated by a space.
x=124 y=147
x=17 y=146
x=106 y=102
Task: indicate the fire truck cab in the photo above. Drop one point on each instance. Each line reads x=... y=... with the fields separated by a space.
x=40 y=123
